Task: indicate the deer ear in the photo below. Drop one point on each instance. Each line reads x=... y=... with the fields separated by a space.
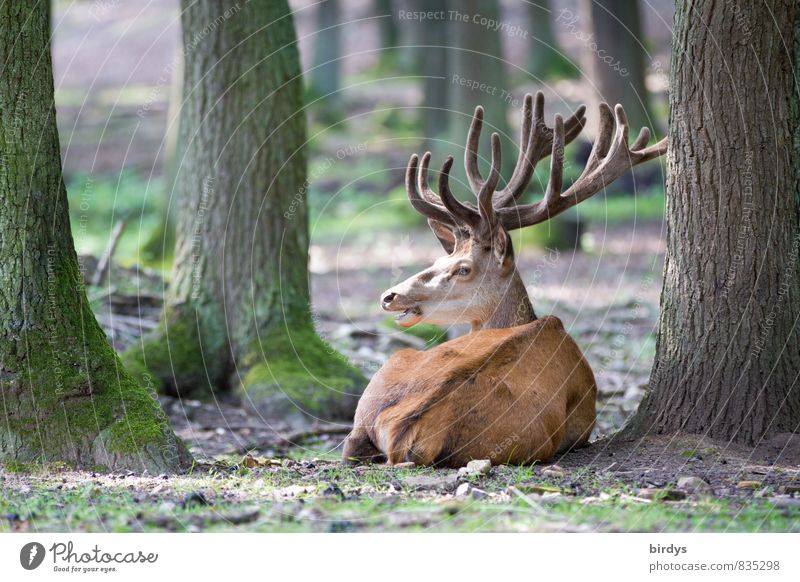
x=444 y=234
x=502 y=247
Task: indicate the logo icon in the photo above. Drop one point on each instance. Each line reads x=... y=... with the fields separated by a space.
x=31 y=555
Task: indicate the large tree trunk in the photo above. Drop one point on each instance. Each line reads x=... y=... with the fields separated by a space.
x=728 y=350
x=65 y=395
x=237 y=313
x=616 y=57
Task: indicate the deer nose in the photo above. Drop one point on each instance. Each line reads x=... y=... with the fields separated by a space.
x=387 y=299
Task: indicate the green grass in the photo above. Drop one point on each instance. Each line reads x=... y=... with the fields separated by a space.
x=340 y=499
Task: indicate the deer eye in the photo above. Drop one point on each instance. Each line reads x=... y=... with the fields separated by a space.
x=463 y=271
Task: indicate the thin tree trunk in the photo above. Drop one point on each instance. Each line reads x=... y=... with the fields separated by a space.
x=65 y=395
x=728 y=350
x=160 y=244
x=384 y=9
x=478 y=77
x=545 y=59
x=616 y=57
x=434 y=67
x=326 y=72
x=237 y=313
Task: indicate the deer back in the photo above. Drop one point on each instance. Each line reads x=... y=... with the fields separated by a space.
x=501 y=394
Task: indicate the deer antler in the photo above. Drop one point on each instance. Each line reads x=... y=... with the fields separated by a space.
x=610 y=158
x=535 y=144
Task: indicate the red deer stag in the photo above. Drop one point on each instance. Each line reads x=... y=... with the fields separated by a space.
x=516 y=389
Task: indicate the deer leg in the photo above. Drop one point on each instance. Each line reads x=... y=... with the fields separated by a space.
x=359 y=449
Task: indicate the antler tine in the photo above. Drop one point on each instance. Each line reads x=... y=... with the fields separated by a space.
x=422 y=181
x=485 y=206
x=556 y=180
x=536 y=147
x=610 y=158
x=460 y=212
x=471 y=153
x=424 y=207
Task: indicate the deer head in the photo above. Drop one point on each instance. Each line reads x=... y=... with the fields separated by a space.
x=477 y=282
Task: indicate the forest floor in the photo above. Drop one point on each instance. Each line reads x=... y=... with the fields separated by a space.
x=653 y=485
x=257 y=474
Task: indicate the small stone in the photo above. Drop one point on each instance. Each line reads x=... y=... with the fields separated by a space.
x=553 y=471
x=431 y=482
x=463 y=490
x=480 y=467
x=693 y=484
x=158 y=489
x=749 y=485
x=478 y=493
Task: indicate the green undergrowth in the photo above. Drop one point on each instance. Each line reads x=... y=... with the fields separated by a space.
x=293 y=371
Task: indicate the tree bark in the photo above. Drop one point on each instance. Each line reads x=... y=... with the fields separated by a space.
x=237 y=314
x=616 y=57
x=65 y=395
x=728 y=349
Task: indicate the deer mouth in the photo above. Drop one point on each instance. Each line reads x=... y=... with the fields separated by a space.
x=408 y=316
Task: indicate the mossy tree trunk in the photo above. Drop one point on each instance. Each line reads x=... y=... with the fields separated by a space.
x=616 y=57
x=65 y=395
x=237 y=313
x=728 y=349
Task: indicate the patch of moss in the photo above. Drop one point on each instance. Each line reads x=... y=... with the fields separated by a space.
x=171 y=358
x=294 y=372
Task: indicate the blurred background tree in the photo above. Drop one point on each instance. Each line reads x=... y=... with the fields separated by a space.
x=325 y=76
x=237 y=309
x=546 y=60
x=617 y=64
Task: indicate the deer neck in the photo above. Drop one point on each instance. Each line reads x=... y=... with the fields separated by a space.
x=513 y=309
